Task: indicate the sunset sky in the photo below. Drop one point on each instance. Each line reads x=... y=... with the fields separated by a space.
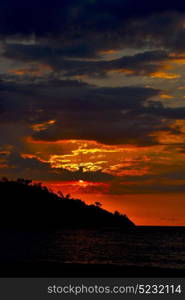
x=93 y=102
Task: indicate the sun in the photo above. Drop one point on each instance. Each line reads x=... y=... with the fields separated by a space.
x=82 y=183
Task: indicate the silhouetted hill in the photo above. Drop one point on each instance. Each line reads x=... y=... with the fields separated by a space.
x=24 y=204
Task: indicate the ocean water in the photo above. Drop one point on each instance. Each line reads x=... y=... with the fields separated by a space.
x=147 y=246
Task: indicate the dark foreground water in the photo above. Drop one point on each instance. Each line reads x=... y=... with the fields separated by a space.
x=158 y=246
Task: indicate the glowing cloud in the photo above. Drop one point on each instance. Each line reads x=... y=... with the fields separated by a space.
x=43 y=126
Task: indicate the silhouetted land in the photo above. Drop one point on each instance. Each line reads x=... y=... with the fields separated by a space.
x=32 y=208
x=24 y=204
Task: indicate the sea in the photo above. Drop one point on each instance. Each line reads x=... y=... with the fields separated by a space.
x=162 y=247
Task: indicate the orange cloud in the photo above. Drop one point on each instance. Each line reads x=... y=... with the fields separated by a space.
x=166 y=96
x=91 y=156
x=178 y=125
x=160 y=73
x=107 y=52
x=169 y=137
x=35 y=70
x=164 y=75
x=43 y=126
x=178 y=58
x=166 y=138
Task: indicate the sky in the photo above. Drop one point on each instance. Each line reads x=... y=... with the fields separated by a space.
x=92 y=102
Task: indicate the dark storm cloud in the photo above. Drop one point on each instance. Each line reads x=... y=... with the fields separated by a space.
x=166 y=112
x=43 y=17
x=45 y=53
x=83 y=28
x=31 y=101
x=140 y=64
x=81 y=111
x=144 y=64
x=71 y=96
x=109 y=128
x=68 y=30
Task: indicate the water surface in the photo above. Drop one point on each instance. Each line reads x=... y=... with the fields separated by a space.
x=147 y=246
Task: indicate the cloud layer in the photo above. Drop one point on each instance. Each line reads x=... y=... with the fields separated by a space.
x=93 y=90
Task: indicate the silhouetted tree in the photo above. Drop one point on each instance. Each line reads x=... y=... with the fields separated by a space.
x=98 y=204
x=60 y=194
x=117 y=213
x=24 y=181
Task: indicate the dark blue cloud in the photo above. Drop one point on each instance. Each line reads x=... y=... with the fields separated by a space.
x=55 y=17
